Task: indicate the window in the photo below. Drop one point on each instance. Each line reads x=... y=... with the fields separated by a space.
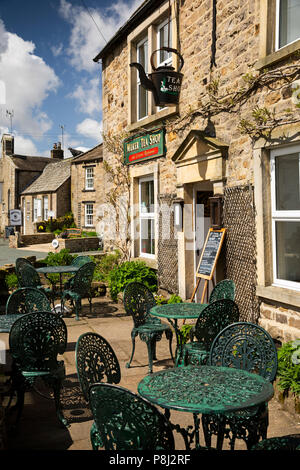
x=147 y=217
x=285 y=194
x=37 y=203
x=164 y=32
x=142 y=95
x=89 y=178
x=45 y=204
x=288 y=22
x=89 y=209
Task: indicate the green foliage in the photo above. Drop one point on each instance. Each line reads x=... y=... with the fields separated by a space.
x=61 y=223
x=175 y=299
x=160 y=299
x=89 y=234
x=104 y=265
x=62 y=258
x=185 y=331
x=11 y=281
x=289 y=367
x=131 y=271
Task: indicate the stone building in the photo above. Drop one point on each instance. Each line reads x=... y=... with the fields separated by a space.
x=16 y=172
x=87 y=188
x=234 y=134
x=50 y=193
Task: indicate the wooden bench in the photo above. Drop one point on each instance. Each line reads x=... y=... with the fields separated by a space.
x=74 y=232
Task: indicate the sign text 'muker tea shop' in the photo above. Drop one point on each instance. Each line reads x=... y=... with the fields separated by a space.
x=144 y=147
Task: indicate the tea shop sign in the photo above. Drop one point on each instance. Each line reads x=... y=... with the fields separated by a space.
x=144 y=147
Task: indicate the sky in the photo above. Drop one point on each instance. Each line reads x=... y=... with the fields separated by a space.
x=50 y=87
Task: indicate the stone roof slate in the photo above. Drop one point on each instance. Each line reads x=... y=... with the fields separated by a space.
x=53 y=176
x=96 y=153
x=26 y=163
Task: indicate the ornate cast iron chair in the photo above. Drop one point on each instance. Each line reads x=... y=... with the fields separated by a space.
x=126 y=421
x=79 y=288
x=210 y=322
x=78 y=261
x=138 y=300
x=19 y=263
x=95 y=362
x=35 y=340
x=29 y=277
x=26 y=300
x=223 y=290
x=246 y=346
x=291 y=442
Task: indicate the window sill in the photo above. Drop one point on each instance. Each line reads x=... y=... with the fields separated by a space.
x=170 y=111
x=281 y=54
x=88 y=190
x=279 y=294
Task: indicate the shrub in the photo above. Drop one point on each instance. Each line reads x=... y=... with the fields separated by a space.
x=104 y=265
x=289 y=367
x=11 y=281
x=62 y=258
x=175 y=299
x=131 y=271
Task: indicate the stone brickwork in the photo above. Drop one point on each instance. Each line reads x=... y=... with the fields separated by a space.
x=18 y=240
x=238 y=43
x=281 y=322
x=76 y=245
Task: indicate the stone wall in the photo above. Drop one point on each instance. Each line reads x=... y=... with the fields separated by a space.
x=76 y=245
x=17 y=240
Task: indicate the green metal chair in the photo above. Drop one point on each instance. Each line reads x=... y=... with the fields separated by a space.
x=210 y=322
x=247 y=346
x=96 y=361
x=35 y=340
x=29 y=277
x=19 y=263
x=279 y=443
x=78 y=261
x=138 y=300
x=79 y=288
x=223 y=290
x=26 y=300
x=126 y=421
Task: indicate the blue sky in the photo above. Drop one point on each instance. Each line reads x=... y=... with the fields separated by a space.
x=47 y=74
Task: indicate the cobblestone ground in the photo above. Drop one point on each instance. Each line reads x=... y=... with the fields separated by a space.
x=39 y=428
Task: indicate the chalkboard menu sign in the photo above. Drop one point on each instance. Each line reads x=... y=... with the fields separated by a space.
x=210 y=253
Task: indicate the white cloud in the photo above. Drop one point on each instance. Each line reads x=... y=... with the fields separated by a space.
x=88 y=95
x=22 y=145
x=86 y=38
x=90 y=129
x=57 y=50
x=28 y=81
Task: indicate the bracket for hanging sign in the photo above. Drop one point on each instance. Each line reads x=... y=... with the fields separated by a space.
x=209 y=257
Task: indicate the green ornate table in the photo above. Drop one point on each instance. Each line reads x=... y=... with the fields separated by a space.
x=7 y=321
x=204 y=389
x=175 y=312
x=58 y=270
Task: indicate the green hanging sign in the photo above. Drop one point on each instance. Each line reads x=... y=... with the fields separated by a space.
x=144 y=147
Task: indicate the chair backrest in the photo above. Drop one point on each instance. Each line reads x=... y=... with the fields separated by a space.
x=81 y=260
x=213 y=319
x=126 y=421
x=138 y=300
x=82 y=280
x=223 y=290
x=19 y=263
x=247 y=346
x=29 y=277
x=26 y=300
x=36 y=339
x=96 y=361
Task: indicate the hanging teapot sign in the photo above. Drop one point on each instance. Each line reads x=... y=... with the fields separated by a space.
x=164 y=82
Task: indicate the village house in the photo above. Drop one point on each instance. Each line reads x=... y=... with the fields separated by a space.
x=234 y=135
x=50 y=193
x=16 y=172
x=87 y=187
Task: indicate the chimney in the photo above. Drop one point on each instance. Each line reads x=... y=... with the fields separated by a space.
x=57 y=151
x=7 y=144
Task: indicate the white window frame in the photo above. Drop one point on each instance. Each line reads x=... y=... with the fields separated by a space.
x=138 y=85
x=168 y=61
x=146 y=216
x=277 y=31
x=46 y=207
x=89 y=178
x=281 y=216
x=87 y=214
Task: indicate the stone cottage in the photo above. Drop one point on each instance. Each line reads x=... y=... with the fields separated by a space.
x=49 y=193
x=87 y=187
x=234 y=134
x=16 y=172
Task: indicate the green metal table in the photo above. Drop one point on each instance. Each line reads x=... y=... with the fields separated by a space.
x=58 y=270
x=7 y=321
x=204 y=389
x=175 y=312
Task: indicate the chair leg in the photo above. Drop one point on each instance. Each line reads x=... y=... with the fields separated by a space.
x=77 y=309
x=133 y=335
x=57 y=385
x=169 y=336
x=150 y=353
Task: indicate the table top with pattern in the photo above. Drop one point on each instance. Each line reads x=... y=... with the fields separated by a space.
x=183 y=310
x=205 y=389
x=57 y=269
